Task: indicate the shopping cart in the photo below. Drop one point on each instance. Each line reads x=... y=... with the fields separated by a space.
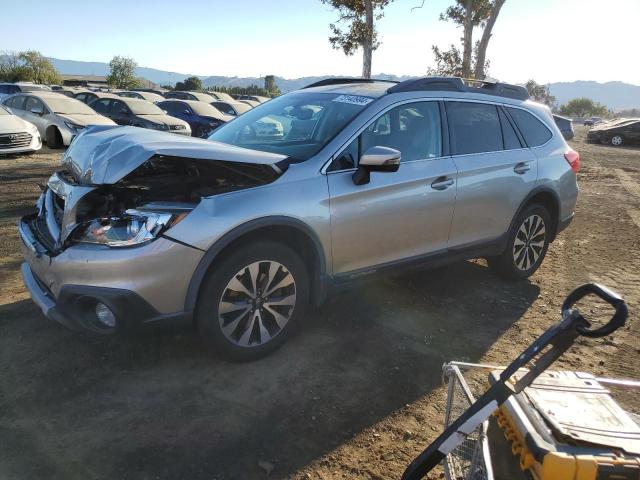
x=462 y=446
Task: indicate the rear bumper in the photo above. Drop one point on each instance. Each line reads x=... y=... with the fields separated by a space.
x=564 y=223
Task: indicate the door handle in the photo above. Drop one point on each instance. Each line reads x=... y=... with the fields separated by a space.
x=521 y=168
x=442 y=183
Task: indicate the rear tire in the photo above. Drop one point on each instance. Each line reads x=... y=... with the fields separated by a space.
x=527 y=244
x=54 y=138
x=252 y=301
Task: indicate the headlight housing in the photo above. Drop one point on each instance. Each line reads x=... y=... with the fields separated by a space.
x=74 y=126
x=134 y=227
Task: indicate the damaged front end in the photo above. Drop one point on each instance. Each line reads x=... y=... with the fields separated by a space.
x=96 y=257
x=81 y=206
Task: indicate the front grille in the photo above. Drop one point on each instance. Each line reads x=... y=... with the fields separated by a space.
x=15 y=140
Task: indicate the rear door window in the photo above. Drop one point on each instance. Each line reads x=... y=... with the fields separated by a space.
x=473 y=128
x=535 y=133
x=119 y=108
x=32 y=103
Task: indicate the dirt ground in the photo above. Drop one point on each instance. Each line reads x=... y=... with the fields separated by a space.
x=356 y=395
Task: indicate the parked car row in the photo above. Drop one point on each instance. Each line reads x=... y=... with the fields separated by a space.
x=58 y=116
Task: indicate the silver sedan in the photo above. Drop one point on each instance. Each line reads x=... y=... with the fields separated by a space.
x=58 y=118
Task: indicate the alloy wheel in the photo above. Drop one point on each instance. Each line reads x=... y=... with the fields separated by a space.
x=616 y=140
x=257 y=303
x=529 y=242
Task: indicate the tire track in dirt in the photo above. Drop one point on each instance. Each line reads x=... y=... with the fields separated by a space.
x=633 y=187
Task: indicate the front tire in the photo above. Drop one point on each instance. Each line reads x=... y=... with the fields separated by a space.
x=616 y=140
x=252 y=301
x=527 y=244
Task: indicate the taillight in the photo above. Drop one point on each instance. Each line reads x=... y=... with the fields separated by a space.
x=573 y=158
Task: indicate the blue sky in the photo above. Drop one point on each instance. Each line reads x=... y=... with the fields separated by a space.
x=549 y=40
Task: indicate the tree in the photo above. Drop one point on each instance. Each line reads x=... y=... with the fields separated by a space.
x=360 y=17
x=190 y=83
x=122 y=73
x=40 y=68
x=540 y=93
x=270 y=86
x=583 y=107
x=28 y=66
x=483 y=44
x=471 y=60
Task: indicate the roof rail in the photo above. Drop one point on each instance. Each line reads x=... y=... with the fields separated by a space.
x=345 y=81
x=457 y=84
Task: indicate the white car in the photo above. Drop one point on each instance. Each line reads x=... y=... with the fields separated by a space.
x=17 y=135
x=58 y=118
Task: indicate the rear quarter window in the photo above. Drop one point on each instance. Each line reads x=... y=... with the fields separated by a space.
x=535 y=132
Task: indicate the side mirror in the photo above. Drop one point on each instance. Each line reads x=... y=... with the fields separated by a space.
x=37 y=111
x=376 y=159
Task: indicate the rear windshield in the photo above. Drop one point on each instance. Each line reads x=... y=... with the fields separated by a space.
x=297 y=125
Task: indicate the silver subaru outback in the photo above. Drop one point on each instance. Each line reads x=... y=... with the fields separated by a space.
x=241 y=232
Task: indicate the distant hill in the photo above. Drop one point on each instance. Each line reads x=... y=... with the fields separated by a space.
x=615 y=95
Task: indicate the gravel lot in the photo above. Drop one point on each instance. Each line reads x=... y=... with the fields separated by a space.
x=356 y=395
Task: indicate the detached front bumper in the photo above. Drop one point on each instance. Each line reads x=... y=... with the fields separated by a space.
x=139 y=284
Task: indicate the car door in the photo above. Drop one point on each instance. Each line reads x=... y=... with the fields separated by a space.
x=40 y=120
x=495 y=171
x=120 y=113
x=632 y=133
x=399 y=215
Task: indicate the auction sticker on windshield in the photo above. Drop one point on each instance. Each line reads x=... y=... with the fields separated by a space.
x=353 y=99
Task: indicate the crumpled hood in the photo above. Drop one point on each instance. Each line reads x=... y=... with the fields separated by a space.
x=82 y=119
x=14 y=124
x=106 y=154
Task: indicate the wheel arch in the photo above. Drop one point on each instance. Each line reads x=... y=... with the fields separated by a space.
x=290 y=231
x=549 y=199
x=54 y=130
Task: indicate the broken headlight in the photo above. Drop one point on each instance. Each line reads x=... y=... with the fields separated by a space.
x=135 y=227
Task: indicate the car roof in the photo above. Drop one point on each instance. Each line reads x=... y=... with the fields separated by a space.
x=188 y=102
x=453 y=87
x=44 y=94
x=368 y=89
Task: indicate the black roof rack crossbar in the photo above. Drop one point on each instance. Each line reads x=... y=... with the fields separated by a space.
x=345 y=81
x=456 y=84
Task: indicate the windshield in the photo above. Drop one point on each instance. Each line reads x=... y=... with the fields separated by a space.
x=70 y=106
x=144 y=108
x=205 y=109
x=297 y=124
